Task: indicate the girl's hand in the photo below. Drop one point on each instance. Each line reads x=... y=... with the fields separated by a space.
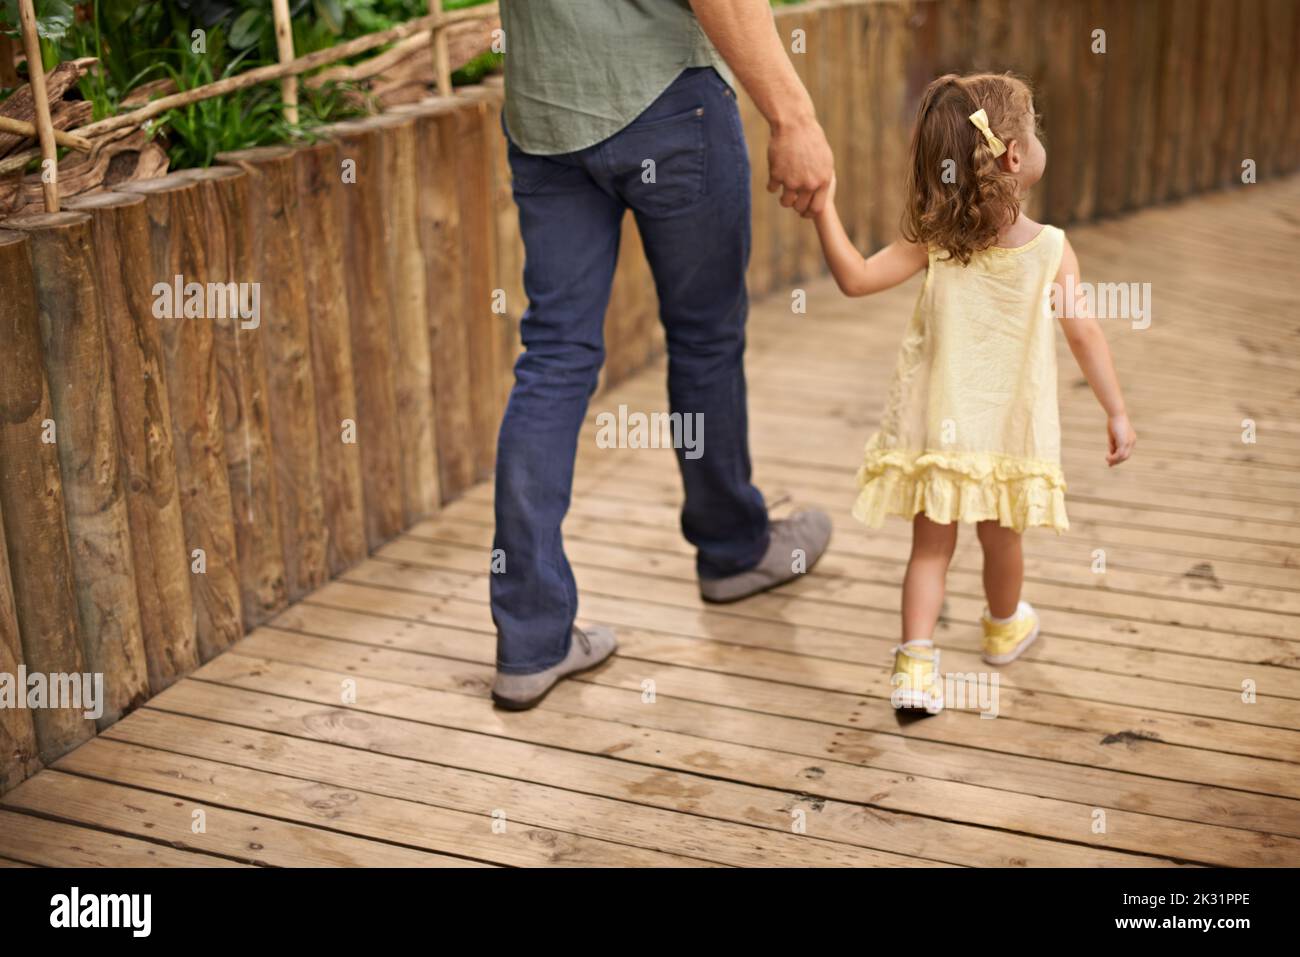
x=1122 y=439
x=830 y=200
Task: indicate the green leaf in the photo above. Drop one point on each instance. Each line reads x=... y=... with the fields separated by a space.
x=331 y=11
x=246 y=29
x=53 y=17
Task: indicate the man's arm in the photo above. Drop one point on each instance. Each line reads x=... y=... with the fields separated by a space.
x=799 y=159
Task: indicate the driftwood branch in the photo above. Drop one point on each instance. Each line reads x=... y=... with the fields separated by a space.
x=36 y=79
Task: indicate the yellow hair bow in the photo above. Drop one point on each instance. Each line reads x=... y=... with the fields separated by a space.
x=981 y=121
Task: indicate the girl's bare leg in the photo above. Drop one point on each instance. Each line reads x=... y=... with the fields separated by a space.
x=927 y=569
x=1004 y=568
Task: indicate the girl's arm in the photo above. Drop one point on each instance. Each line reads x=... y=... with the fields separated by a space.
x=854 y=275
x=1088 y=343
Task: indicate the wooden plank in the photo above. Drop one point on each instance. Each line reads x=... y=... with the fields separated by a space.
x=461 y=777
x=291 y=388
x=81 y=400
x=382 y=667
x=44 y=843
x=31 y=500
x=293 y=667
x=144 y=428
x=456 y=632
x=176 y=211
x=320 y=188
x=232 y=835
x=858 y=583
x=370 y=310
x=359 y=810
x=418 y=572
x=582 y=764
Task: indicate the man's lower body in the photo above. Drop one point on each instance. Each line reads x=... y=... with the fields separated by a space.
x=683 y=170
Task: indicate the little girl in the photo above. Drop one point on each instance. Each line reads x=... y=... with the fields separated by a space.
x=970 y=431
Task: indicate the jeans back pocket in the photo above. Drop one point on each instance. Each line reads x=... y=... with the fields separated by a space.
x=660 y=164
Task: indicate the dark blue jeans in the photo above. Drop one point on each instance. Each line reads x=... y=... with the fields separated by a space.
x=694 y=223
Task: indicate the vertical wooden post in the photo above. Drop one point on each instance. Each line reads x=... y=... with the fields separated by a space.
x=31 y=497
x=867 y=127
x=44 y=128
x=441 y=59
x=438 y=222
x=193 y=384
x=230 y=245
x=18 y=753
x=286 y=330
x=370 y=327
x=324 y=264
x=81 y=397
x=508 y=247
x=284 y=47
x=474 y=186
x=121 y=225
x=413 y=369
x=892 y=43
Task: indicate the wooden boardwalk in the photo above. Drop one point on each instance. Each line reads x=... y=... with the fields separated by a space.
x=356 y=729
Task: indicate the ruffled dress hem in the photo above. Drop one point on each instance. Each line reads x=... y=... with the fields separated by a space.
x=961 y=487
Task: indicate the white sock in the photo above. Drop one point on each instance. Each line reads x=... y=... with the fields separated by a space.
x=1005 y=621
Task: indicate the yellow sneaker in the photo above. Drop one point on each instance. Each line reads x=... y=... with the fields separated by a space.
x=917 y=682
x=1005 y=641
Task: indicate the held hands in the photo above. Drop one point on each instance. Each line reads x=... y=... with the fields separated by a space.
x=1122 y=439
x=800 y=165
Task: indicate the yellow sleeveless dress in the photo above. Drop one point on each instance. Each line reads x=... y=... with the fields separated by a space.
x=971 y=430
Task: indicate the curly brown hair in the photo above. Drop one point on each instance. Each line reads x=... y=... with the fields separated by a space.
x=963 y=217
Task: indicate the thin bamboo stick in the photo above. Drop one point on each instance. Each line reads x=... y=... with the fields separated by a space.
x=441 y=61
x=262 y=74
x=22 y=128
x=284 y=46
x=44 y=127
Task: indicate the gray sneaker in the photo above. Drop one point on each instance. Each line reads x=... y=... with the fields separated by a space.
x=797 y=543
x=587 y=649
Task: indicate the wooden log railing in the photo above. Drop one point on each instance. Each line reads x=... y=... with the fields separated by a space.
x=167 y=484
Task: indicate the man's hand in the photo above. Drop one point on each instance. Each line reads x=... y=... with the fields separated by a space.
x=799 y=159
x=800 y=164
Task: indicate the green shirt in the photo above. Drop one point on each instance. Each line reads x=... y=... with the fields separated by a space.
x=578 y=71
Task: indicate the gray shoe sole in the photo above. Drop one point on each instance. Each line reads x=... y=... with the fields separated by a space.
x=517 y=704
x=758 y=589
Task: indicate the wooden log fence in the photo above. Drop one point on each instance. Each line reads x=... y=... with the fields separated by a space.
x=174 y=472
